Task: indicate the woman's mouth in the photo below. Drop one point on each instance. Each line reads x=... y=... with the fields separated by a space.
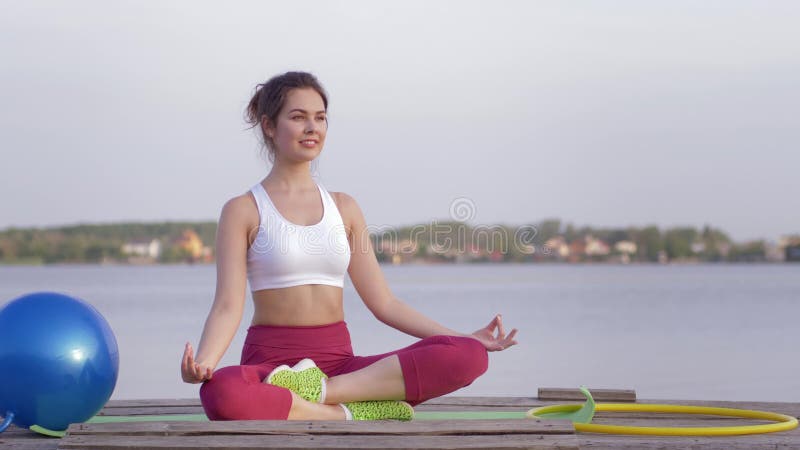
x=308 y=143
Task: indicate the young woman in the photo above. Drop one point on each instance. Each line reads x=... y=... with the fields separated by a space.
x=293 y=241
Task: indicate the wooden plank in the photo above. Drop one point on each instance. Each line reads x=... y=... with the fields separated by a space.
x=484 y=401
x=338 y=427
x=151 y=411
x=321 y=442
x=455 y=408
x=151 y=402
x=24 y=436
x=27 y=444
x=599 y=395
x=24 y=439
x=772 y=441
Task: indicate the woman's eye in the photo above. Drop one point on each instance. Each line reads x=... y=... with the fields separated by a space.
x=321 y=118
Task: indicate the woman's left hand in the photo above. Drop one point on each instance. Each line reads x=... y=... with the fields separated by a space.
x=492 y=342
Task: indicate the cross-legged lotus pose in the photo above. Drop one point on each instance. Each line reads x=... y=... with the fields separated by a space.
x=293 y=241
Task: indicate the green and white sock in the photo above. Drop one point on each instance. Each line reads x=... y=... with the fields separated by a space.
x=304 y=379
x=378 y=410
x=347 y=414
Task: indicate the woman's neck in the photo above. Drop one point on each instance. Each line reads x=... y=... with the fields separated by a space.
x=290 y=178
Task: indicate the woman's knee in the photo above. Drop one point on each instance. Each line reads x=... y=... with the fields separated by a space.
x=465 y=359
x=474 y=358
x=218 y=394
x=238 y=393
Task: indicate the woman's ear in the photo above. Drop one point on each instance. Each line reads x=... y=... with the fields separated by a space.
x=266 y=126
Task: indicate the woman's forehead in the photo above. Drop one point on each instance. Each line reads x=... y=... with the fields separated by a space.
x=306 y=99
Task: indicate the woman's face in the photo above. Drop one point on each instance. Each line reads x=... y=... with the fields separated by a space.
x=299 y=132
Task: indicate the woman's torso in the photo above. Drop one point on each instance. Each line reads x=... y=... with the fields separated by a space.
x=277 y=216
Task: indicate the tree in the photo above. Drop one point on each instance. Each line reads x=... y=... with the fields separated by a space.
x=650 y=243
x=547 y=229
x=678 y=242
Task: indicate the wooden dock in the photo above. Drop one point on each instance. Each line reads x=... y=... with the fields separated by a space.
x=455 y=433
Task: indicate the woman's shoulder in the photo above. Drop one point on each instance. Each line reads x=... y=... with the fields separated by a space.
x=345 y=202
x=240 y=209
x=348 y=209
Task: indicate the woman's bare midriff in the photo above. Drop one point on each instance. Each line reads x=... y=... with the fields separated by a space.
x=306 y=305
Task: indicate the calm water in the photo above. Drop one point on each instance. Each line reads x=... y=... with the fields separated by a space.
x=682 y=332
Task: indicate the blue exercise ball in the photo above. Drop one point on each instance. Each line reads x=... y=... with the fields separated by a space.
x=58 y=362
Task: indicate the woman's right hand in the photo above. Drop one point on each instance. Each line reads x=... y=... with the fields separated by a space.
x=192 y=371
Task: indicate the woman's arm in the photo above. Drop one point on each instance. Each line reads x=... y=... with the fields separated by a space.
x=226 y=312
x=368 y=280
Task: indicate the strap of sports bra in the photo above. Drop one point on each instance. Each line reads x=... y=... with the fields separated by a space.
x=261 y=202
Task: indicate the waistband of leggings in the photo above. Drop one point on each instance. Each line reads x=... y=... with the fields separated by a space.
x=328 y=335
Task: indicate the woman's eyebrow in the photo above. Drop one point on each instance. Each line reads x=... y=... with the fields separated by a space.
x=304 y=111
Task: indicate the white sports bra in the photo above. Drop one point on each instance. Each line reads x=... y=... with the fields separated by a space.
x=285 y=254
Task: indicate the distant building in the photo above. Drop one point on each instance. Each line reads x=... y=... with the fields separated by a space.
x=698 y=247
x=147 y=248
x=577 y=250
x=625 y=247
x=596 y=247
x=558 y=247
x=190 y=243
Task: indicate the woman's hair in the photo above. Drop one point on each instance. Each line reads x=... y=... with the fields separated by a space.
x=269 y=98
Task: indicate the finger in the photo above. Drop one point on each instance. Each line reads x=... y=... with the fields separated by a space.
x=511 y=335
x=492 y=324
x=509 y=340
x=209 y=373
x=190 y=366
x=508 y=344
x=190 y=354
x=187 y=355
x=501 y=332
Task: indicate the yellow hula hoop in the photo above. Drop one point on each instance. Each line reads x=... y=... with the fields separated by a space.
x=784 y=422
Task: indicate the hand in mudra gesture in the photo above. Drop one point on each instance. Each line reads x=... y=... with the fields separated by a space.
x=495 y=342
x=193 y=371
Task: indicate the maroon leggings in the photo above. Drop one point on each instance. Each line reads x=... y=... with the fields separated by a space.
x=431 y=367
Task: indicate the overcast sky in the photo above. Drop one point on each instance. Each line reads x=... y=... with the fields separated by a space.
x=608 y=113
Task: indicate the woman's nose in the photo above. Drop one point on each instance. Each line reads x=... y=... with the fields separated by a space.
x=311 y=126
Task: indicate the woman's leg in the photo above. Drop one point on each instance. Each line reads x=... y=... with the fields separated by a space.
x=427 y=369
x=303 y=409
x=380 y=380
x=239 y=393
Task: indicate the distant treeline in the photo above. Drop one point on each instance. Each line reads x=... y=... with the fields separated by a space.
x=553 y=240
x=548 y=240
x=95 y=243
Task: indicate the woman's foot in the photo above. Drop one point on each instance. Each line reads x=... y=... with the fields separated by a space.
x=378 y=410
x=304 y=379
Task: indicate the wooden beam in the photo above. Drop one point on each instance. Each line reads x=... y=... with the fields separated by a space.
x=321 y=442
x=329 y=427
x=600 y=395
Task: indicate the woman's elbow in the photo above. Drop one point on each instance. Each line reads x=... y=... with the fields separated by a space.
x=382 y=309
x=226 y=306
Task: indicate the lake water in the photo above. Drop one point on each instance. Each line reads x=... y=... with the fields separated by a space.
x=713 y=332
